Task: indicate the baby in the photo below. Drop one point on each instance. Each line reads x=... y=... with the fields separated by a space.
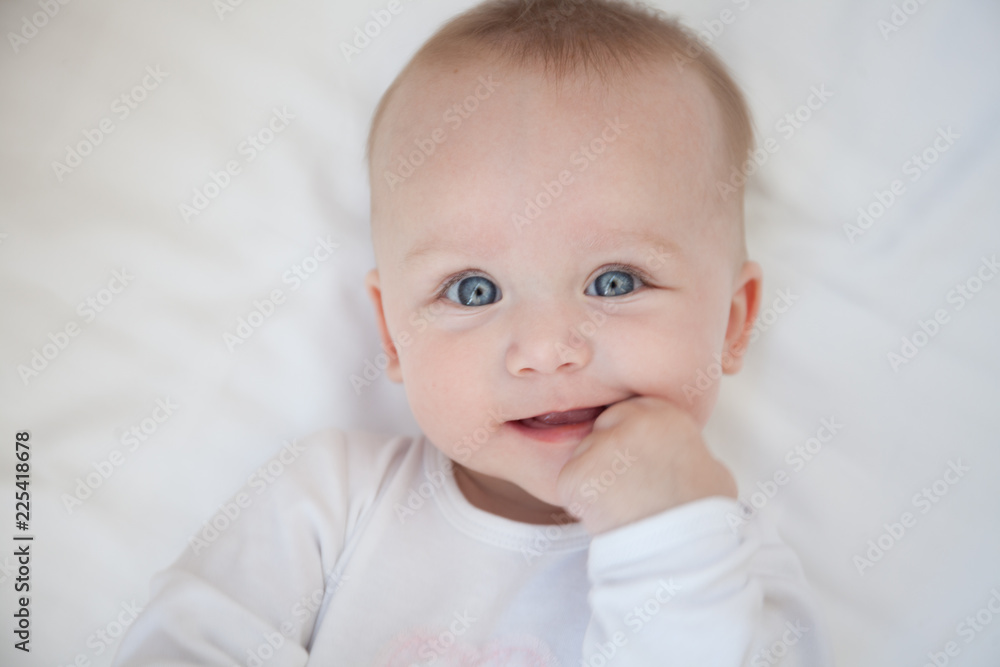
x=559 y=253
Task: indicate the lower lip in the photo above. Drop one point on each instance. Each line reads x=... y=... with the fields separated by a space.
x=563 y=433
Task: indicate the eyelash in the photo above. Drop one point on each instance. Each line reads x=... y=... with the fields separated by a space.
x=635 y=272
x=458 y=277
x=617 y=266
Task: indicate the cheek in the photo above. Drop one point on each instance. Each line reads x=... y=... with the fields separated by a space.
x=443 y=377
x=671 y=356
x=665 y=357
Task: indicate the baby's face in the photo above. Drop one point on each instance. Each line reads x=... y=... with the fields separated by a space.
x=559 y=249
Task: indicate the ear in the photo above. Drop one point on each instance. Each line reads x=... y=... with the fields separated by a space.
x=742 y=313
x=392 y=371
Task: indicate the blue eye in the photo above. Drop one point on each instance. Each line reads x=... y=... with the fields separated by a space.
x=473 y=291
x=613 y=283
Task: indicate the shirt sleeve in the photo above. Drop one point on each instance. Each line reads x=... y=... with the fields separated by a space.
x=686 y=587
x=249 y=587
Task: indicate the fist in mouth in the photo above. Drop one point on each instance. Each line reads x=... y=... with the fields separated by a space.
x=644 y=456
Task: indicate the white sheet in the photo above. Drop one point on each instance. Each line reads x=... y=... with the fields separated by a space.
x=211 y=81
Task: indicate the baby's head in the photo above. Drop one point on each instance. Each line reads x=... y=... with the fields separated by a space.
x=549 y=229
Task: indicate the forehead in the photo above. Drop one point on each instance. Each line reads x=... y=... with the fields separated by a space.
x=473 y=149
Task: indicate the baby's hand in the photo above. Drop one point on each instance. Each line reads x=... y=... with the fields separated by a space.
x=644 y=456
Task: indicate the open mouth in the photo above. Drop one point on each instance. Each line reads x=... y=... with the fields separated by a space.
x=552 y=420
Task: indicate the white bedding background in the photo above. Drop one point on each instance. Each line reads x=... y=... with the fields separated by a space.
x=150 y=419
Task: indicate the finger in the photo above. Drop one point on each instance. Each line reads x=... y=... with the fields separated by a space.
x=616 y=413
x=584 y=445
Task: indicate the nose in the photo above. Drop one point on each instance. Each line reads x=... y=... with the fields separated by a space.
x=548 y=338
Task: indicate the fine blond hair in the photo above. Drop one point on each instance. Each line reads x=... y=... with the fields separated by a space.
x=565 y=37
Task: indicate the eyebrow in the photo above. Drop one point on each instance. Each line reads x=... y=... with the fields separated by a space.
x=609 y=240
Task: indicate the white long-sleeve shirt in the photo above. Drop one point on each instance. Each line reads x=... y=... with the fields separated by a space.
x=358 y=549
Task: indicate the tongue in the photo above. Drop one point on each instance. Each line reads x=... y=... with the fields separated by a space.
x=569 y=417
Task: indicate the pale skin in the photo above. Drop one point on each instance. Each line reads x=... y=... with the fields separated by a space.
x=545 y=336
